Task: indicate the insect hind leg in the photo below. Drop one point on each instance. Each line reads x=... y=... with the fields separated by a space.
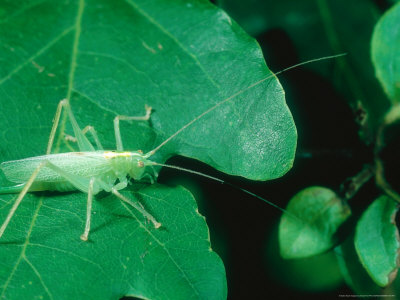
x=56 y=121
x=83 y=142
x=21 y=195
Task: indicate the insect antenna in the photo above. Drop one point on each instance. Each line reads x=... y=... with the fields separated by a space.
x=150 y=153
x=228 y=184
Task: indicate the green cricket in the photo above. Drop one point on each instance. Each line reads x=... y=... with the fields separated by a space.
x=90 y=170
x=93 y=170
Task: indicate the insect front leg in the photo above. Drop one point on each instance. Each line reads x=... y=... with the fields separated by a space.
x=153 y=176
x=21 y=195
x=137 y=207
x=117 y=132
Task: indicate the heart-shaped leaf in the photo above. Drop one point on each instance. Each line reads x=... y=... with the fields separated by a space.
x=377 y=240
x=352 y=271
x=385 y=53
x=309 y=225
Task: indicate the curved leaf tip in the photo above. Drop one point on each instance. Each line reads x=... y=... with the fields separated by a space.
x=377 y=241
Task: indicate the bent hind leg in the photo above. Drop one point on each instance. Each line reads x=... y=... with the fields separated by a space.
x=21 y=196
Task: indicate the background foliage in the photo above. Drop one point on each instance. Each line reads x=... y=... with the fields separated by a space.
x=331 y=104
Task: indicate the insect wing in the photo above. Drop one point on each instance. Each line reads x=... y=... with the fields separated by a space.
x=86 y=164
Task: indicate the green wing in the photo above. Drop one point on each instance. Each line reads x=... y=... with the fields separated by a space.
x=86 y=164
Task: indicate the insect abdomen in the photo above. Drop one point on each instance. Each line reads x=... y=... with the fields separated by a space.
x=39 y=187
x=85 y=164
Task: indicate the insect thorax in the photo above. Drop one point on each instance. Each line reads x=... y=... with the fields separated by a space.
x=127 y=162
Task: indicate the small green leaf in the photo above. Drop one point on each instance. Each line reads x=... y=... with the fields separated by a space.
x=377 y=240
x=355 y=276
x=302 y=274
x=309 y=225
x=385 y=51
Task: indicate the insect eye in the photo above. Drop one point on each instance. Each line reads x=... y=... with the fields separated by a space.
x=140 y=164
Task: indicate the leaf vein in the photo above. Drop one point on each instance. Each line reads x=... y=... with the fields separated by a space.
x=69 y=253
x=123 y=61
x=185 y=276
x=75 y=46
x=25 y=245
x=174 y=39
x=22 y=10
x=39 y=277
x=37 y=54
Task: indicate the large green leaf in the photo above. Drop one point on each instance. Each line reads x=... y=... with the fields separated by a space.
x=109 y=58
x=309 y=225
x=320 y=28
x=170 y=55
x=377 y=240
x=385 y=52
x=355 y=276
x=43 y=257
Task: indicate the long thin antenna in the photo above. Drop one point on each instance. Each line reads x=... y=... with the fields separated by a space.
x=227 y=183
x=150 y=153
x=188 y=171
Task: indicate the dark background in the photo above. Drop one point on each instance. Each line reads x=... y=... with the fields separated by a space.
x=244 y=229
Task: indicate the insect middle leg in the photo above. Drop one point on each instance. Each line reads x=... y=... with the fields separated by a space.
x=117 y=132
x=85 y=235
x=90 y=186
x=85 y=130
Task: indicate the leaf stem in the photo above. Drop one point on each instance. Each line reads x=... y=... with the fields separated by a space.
x=391 y=117
x=352 y=185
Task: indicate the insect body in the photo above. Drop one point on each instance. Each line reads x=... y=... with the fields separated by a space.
x=89 y=171
x=104 y=166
